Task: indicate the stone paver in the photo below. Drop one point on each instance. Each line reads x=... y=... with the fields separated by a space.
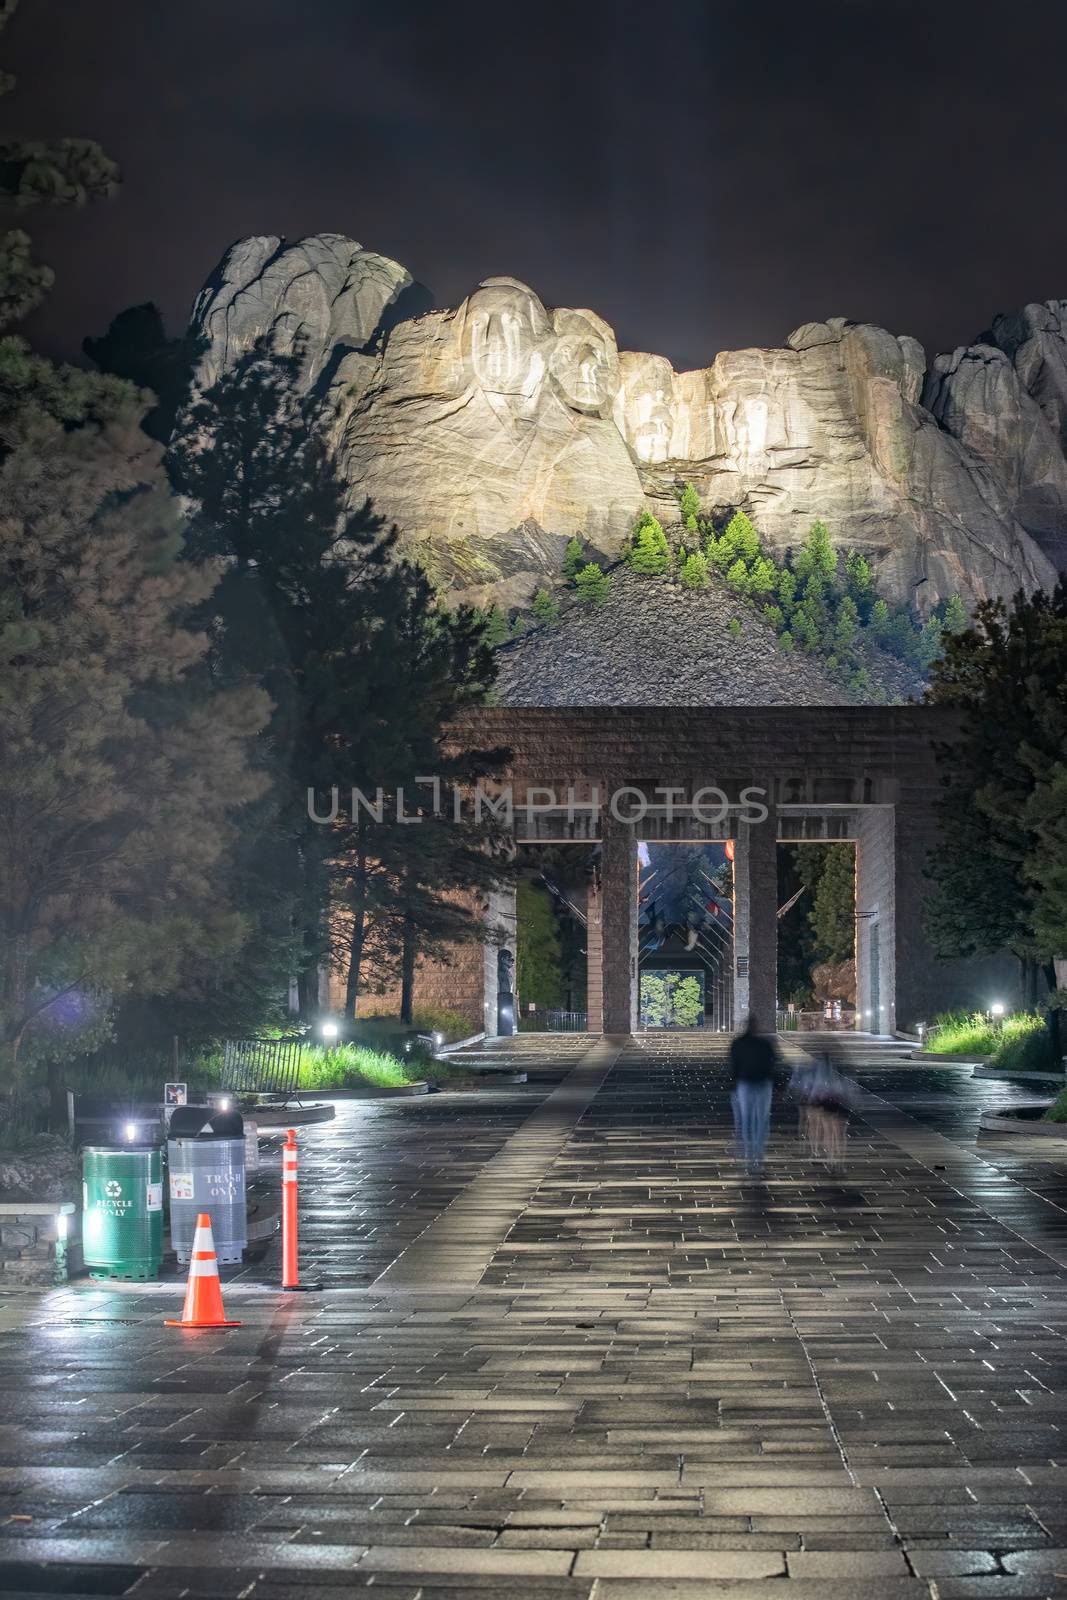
x=567 y=1351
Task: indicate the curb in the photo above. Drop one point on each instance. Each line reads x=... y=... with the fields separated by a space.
x=1022 y=1128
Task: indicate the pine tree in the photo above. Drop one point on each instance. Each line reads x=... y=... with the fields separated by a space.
x=650 y=554
x=694 y=571
x=859 y=582
x=846 y=625
x=104 y=700
x=573 y=560
x=266 y=500
x=546 y=608
x=136 y=347
x=761 y=578
x=741 y=538
x=737 y=576
x=956 y=618
x=64 y=171
x=995 y=869
x=119 y=786
x=689 y=505
x=787 y=589
x=785 y=641
x=592 y=584
x=496 y=629
x=816 y=561
x=829 y=872
x=880 y=622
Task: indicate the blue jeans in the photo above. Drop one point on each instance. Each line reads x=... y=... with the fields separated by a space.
x=752 y=1119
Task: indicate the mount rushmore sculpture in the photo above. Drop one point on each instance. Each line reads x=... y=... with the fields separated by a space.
x=492 y=432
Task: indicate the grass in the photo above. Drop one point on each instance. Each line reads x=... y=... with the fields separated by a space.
x=962 y=1033
x=1017 y=1043
x=350 y=1065
x=1057 y=1111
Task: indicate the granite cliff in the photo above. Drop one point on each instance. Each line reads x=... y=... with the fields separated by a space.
x=493 y=431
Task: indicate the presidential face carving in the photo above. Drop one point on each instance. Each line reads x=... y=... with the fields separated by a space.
x=644 y=410
x=585 y=362
x=505 y=334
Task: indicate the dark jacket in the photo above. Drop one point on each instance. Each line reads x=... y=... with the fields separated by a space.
x=753 y=1059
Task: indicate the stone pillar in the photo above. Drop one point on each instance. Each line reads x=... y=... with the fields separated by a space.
x=756 y=922
x=594 y=959
x=618 y=888
x=501 y=929
x=876 y=921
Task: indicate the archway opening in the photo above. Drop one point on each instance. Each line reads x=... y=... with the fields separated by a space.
x=685 y=937
x=817 y=935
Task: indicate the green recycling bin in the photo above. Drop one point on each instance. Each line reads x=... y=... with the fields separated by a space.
x=122 y=1205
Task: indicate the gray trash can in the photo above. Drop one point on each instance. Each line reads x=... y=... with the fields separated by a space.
x=206 y=1172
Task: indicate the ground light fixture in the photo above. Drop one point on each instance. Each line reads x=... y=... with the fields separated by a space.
x=329 y=1031
x=130 y=1132
x=438 y=1040
x=997 y=1008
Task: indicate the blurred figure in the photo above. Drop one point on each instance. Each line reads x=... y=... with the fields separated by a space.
x=754 y=1066
x=828 y=1097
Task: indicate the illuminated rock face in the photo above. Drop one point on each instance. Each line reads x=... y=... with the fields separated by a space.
x=493 y=432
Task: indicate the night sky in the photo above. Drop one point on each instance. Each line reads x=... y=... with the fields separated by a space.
x=705 y=174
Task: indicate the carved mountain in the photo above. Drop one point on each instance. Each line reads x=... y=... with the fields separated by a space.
x=494 y=431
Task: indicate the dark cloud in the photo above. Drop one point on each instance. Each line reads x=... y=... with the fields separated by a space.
x=705 y=174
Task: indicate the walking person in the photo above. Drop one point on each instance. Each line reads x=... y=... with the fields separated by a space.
x=754 y=1066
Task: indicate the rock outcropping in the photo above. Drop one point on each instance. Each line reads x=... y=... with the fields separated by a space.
x=493 y=432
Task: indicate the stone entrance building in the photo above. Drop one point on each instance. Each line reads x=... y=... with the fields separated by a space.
x=616 y=775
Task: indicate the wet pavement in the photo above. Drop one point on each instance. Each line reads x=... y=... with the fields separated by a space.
x=568 y=1350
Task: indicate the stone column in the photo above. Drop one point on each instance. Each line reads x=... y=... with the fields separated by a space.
x=876 y=922
x=756 y=922
x=501 y=929
x=618 y=888
x=594 y=960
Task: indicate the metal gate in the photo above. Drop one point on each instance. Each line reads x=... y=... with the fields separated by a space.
x=261 y=1066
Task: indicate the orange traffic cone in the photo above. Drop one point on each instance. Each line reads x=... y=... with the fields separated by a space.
x=203 y=1293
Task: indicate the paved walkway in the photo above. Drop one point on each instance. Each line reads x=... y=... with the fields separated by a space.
x=568 y=1351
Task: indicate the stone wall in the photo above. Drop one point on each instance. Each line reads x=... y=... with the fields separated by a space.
x=39 y=1243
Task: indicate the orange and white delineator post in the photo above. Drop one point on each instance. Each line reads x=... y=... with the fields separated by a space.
x=290 y=1252
x=203 y=1292
x=290 y=1263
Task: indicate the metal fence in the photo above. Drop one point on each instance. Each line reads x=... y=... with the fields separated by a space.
x=566 y=1021
x=261 y=1066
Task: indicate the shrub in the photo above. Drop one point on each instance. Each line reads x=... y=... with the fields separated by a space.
x=733 y=627
x=694 y=572
x=546 y=608
x=1024 y=1045
x=592 y=584
x=785 y=641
